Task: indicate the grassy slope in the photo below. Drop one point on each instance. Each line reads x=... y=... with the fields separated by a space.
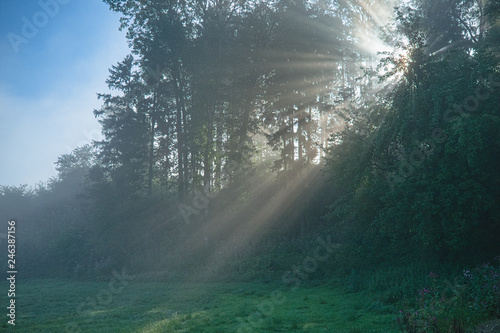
x=52 y=306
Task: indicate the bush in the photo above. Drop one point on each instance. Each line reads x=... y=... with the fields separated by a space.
x=483 y=289
x=430 y=313
x=445 y=306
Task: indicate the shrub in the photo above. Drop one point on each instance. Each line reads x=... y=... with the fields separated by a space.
x=483 y=286
x=444 y=306
x=430 y=312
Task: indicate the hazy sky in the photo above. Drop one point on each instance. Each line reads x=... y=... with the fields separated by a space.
x=54 y=56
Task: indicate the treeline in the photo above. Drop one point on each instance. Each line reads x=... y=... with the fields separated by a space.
x=420 y=174
x=216 y=97
x=211 y=81
x=226 y=111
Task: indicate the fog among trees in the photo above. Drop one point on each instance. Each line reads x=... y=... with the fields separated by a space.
x=238 y=132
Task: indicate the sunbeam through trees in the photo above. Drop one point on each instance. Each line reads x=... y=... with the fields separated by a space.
x=318 y=150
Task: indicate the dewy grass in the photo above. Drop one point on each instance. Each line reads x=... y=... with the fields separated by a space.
x=56 y=306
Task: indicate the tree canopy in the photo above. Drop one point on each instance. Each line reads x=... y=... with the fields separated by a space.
x=222 y=116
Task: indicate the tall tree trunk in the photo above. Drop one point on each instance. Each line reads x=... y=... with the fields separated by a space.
x=184 y=148
x=151 y=155
x=309 y=140
x=167 y=155
x=300 y=144
x=218 y=157
x=291 y=150
x=152 y=132
x=207 y=160
x=180 y=134
x=244 y=131
x=324 y=134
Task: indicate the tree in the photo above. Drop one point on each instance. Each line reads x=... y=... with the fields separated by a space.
x=421 y=178
x=123 y=153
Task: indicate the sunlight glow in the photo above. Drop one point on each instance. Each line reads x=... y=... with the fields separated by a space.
x=253 y=228
x=371 y=24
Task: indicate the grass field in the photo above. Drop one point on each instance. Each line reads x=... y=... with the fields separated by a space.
x=132 y=306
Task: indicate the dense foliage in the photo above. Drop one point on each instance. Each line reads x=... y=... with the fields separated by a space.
x=216 y=98
x=224 y=114
x=420 y=173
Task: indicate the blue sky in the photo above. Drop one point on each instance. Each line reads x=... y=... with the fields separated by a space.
x=54 y=59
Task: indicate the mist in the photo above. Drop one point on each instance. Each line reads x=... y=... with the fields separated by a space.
x=260 y=166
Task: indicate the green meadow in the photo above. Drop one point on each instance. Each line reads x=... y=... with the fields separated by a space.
x=53 y=305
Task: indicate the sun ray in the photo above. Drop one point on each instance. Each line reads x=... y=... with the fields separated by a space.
x=235 y=233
